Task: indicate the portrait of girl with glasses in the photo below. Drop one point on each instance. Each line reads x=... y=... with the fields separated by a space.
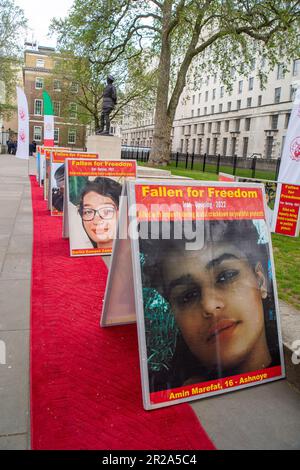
x=98 y=209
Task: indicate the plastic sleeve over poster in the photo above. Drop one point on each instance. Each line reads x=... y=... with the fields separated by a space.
x=94 y=190
x=205 y=289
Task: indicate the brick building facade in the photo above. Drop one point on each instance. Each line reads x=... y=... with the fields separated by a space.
x=38 y=76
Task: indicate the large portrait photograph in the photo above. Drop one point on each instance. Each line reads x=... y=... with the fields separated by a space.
x=93 y=209
x=210 y=313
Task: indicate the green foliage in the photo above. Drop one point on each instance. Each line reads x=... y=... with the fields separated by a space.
x=12 y=27
x=96 y=42
x=76 y=185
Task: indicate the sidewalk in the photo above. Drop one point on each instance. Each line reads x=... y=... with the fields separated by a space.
x=263 y=417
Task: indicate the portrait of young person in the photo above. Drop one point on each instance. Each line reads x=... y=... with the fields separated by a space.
x=209 y=312
x=98 y=209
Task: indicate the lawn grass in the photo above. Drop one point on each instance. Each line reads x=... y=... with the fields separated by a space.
x=287 y=261
x=286 y=249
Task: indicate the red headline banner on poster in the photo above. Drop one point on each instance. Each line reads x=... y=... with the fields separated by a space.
x=288 y=210
x=59 y=156
x=113 y=168
x=215 y=386
x=47 y=151
x=159 y=202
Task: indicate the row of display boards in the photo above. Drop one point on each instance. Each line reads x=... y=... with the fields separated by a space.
x=192 y=264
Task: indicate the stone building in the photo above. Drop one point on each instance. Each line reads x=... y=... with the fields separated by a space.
x=38 y=76
x=244 y=122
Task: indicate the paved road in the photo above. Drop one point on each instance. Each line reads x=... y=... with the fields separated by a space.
x=264 y=417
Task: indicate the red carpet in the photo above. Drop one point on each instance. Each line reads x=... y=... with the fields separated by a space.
x=85 y=381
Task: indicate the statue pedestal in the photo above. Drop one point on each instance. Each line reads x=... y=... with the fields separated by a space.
x=107 y=146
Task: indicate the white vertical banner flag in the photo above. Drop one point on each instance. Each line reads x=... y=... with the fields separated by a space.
x=289 y=171
x=23 y=125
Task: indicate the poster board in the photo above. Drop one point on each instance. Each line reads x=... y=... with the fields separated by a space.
x=47 y=175
x=93 y=186
x=57 y=177
x=287 y=210
x=270 y=187
x=207 y=317
x=37 y=163
x=225 y=177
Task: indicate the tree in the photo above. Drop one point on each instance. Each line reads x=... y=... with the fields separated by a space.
x=189 y=38
x=88 y=40
x=12 y=27
x=134 y=84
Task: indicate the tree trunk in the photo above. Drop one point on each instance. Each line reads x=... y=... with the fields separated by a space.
x=160 y=150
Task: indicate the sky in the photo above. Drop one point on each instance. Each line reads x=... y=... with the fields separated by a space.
x=39 y=15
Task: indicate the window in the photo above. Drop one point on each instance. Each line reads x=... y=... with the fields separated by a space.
x=238 y=104
x=280 y=71
x=56 y=135
x=209 y=127
x=193 y=99
x=202 y=128
x=247 y=124
x=215 y=145
x=207 y=145
x=237 y=125
x=74 y=87
x=71 y=136
x=229 y=106
x=39 y=83
x=213 y=109
x=249 y=102
x=40 y=63
x=252 y=64
x=182 y=130
x=199 y=145
x=37 y=133
x=205 y=110
x=233 y=145
x=192 y=113
x=56 y=85
x=198 y=111
x=73 y=111
x=227 y=126
x=195 y=129
x=293 y=90
x=259 y=100
x=296 y=67
x=215 y=78
x=225 y=145
x=274 y=121
x=56 y=108
x=269 y=147
x=245 y=146
x=199 y=98
x=38 y=107
x=206 y=96
x=277 y=95
x=251 y=83
x=287 y=120
x=240 y=86
x=218 y=126
x=221 y=92
x=220 y=107
x=214 y=94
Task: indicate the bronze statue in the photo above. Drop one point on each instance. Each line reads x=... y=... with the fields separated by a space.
x=109 y=101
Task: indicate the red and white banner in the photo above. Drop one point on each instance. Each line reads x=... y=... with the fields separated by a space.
x=289 y=171
x=23 y=125
x=287 y=201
